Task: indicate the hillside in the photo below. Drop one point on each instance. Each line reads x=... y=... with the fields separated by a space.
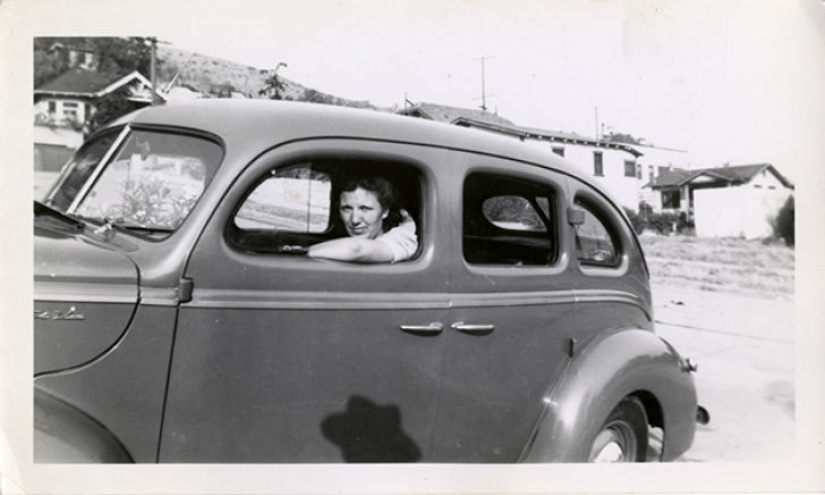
x=211 y=75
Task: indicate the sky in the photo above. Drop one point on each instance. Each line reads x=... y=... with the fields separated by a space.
x=726 y=81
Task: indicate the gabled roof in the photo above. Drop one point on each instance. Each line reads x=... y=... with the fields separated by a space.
x=77 y=81
x=733 y=175
x=447 y=114
x=85 y=83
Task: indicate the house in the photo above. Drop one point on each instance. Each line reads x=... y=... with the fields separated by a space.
x=449 y=115
x=728 y=201
x=64 y=105
x=613 y=164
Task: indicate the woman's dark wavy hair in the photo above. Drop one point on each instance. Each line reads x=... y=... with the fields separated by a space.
x=384 y=192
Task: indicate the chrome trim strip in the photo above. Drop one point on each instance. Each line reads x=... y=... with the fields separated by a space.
x=537 y=298
x=606 y=295
x=308 y=300
x=159 y=296
x=85 y=292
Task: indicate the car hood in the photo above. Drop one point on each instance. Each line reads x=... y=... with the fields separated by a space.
x=85 y=294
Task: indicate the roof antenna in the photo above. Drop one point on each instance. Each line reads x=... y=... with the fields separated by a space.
x=484 y=94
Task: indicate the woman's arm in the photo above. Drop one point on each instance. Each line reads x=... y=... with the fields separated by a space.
x=399 y=244
x=352 y=249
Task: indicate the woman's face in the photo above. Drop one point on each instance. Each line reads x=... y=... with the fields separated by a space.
x=362 y=213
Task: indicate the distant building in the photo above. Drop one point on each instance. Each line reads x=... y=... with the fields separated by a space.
x=729 y=201
x=615 y=165
x=63 y=106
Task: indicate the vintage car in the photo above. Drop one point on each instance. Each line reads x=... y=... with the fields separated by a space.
x=178 y=317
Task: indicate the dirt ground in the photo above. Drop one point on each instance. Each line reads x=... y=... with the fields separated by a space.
x=744 y=347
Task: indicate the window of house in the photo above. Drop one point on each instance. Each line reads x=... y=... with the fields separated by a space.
x=650 y=175
x=595 y=242
x=638 y=171
x=70 y=109
x=52 y=106
x=508 y=221
x=671 y=199
x=559 y=150
x=598 y=164
x=629 y=169
x=295 y=206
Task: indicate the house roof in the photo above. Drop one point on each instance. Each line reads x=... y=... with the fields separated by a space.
x=88 y=83
x=77 y=81
x=737 y=174
x=447 y=114
x=469 y=117
x=544 y=135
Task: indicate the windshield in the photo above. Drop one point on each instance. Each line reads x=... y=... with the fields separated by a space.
x=151 y=182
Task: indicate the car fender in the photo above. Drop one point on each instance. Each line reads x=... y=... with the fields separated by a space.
x=65 y=434
x=616 y=364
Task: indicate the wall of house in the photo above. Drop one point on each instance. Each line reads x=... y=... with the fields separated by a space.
x=65 y=110
x=742 y=211
x=624 y=189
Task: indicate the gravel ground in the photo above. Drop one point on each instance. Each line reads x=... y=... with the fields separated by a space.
x=745 y=350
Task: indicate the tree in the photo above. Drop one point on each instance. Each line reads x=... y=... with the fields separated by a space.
x=623 y=138
x=49 y=60
x=110 y=107
x=115 y=56
x=274 y=87
x=783 y=227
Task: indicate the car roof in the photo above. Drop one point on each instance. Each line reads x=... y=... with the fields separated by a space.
x=255 y=125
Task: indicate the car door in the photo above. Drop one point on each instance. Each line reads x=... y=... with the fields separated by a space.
x=512 y=308
x=282 y=358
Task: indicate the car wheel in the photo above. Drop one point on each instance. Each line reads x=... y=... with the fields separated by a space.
x=623 y=438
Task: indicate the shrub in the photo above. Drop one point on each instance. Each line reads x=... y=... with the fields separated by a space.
x=783 y=225
x=662 y=223
x=636 y=220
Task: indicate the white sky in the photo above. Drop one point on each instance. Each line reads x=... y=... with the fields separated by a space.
x=727 y=81
x=734 y=81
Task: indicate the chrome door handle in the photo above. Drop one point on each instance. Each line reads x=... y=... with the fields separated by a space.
x=433 y=328
x=474 y=329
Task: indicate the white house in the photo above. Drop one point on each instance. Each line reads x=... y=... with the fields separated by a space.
x=63 y=106
x=729 y=201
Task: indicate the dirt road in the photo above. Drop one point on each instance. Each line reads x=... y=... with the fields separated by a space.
x=745 y=351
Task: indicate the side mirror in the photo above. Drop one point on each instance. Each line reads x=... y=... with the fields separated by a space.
x=575 y=216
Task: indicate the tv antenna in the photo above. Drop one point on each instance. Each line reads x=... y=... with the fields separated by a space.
x=484 y=94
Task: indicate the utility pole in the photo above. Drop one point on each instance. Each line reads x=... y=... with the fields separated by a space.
x=484 y=94
x=596 y=109
x=152 y=67
x=152 y=76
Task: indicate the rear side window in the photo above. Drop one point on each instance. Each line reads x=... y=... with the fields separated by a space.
x=507 y=221
x=596 y=242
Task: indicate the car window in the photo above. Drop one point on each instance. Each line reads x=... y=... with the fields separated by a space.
x=507 y=221
x=595 y=242
x=295 y=199
x=295 y=205
x=79 y=169
x=153 y=181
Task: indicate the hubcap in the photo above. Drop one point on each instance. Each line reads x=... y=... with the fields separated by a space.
x=614 y=444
